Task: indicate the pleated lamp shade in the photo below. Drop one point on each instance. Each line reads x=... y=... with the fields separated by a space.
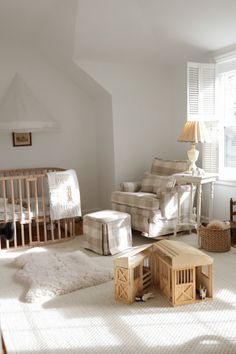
x=194 y=132
x=21 y=111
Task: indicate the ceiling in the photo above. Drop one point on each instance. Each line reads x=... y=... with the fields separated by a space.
x=153 y=30
x=160 y=31
x=21 y=19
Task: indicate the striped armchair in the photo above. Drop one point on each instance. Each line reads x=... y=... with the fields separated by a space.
x=153 y=202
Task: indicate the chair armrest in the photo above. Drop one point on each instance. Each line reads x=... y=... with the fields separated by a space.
x=130 y=186
x=169 y=201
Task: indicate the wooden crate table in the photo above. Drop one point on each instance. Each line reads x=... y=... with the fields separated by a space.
x=174 y=267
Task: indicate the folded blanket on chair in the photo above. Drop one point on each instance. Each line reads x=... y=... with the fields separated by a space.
x=64 y=194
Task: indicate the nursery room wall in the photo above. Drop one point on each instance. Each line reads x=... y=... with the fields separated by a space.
x=105 y=149
x=74 y=144
x=128 y=63
x=141 y=111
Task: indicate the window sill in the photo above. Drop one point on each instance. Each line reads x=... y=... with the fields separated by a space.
x=225 y=182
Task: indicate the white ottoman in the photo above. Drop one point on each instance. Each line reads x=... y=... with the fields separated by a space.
x=107 y=231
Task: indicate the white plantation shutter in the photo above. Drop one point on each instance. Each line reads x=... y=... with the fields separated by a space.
x=201 y=106
x=201 y=91
x=230 y=147
x=210 y=151
x=193 y=91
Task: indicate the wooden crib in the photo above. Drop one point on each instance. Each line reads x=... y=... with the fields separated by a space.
x=24 y=201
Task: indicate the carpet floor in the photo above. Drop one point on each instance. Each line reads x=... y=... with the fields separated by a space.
x=90 y=321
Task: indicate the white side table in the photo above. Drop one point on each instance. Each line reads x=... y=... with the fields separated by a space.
x=198 y=181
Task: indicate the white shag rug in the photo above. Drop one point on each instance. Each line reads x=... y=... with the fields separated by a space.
x=54 y=273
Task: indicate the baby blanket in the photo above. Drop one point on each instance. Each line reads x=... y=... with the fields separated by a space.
x=64 y=194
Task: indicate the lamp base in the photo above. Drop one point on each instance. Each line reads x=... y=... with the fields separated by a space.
x=193 y=154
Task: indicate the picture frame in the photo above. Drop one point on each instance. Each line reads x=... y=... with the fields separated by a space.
x=22 y=139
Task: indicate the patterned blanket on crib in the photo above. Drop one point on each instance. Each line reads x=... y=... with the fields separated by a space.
x=64 y=194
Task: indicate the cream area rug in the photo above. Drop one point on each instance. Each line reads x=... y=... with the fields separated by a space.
x=54 y=273
x=89 y=321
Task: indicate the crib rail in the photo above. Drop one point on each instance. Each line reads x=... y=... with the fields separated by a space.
x=24 y=201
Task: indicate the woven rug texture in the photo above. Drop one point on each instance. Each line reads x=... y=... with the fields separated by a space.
x=90 y=321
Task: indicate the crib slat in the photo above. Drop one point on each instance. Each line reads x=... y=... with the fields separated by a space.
x=43 y=207
x=52 y=231
x=36 y=209
x=21 y=213
x=59 y=229
x=5 y=206
x=66 y=228
x=20 y=186
x=29 y=210
x=13 y=212
x=5 y=199
x=25 y=188
x=71 y=230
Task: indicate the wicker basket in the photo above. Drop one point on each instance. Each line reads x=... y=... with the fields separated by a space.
x=214 y=240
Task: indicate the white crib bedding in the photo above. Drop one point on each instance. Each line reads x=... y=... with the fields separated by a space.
x=33 y=205
x=8 y=214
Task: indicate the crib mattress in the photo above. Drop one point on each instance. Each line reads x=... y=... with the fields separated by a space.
x=9 y=214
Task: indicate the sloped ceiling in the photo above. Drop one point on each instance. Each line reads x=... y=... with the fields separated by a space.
x=153 y=30
x=161 y=31
x=21 y=19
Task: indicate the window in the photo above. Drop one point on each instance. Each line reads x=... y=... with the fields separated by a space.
x=205 y=82
x=201 y=106
x=227 y=141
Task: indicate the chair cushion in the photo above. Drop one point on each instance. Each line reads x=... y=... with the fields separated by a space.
x=138 y=200
x=151 y=215
x=168 y=167
x=155 y=183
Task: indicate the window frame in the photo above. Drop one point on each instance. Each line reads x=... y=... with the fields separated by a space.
x=213 y=153
x=225 y=173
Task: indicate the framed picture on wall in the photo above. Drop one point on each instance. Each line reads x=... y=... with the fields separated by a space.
x=21 y=139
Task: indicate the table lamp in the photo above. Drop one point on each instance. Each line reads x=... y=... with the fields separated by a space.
x=194 y=132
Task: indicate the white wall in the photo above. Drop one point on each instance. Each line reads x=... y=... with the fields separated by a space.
x=74 y=146
x=105 y=149
x=141 y=114
x=223 y=192
x=178 y=109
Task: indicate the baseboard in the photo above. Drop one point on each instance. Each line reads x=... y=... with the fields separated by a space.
x=204 y=219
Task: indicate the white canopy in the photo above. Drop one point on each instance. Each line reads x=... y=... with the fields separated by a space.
x=20 y=110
